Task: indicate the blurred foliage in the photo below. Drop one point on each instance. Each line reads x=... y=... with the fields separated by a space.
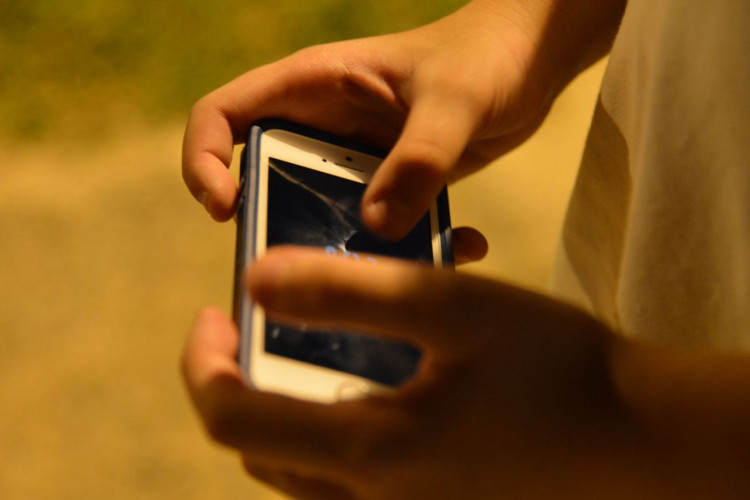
x=78 y=68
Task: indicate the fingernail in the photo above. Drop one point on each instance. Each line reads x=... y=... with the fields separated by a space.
x=390 y=217
x=374 y=214
x=203 y=199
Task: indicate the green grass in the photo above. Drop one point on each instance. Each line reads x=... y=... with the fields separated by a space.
x=78 y=68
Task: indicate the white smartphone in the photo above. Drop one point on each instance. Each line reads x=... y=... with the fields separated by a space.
x=302 y=187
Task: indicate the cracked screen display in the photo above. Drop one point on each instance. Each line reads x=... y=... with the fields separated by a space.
x=311 y=208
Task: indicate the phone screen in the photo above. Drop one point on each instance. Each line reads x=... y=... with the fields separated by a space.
x=311 y=208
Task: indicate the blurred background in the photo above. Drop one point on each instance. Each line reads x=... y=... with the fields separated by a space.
x=104 y=257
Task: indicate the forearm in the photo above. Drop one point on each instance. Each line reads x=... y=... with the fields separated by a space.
x=694 y=409
x=576 y=33
x=565 y=36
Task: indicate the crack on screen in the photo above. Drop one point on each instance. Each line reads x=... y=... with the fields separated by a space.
x=340 y=212
x=312 y=208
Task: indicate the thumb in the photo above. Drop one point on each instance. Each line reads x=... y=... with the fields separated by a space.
x=411 y=177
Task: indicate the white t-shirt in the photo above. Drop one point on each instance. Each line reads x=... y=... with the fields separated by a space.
x=657 y=237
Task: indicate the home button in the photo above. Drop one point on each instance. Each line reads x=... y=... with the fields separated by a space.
x=351 y=390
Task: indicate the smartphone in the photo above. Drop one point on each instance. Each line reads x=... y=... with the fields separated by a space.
x=303 y=187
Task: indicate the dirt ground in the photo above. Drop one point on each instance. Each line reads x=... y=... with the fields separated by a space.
x=104 y=258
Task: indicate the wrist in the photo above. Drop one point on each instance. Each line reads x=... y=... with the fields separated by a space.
x=564 y=37
x=535 y=46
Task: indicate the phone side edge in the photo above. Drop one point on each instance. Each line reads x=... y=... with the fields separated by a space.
x=247 y=207
x=445 y=229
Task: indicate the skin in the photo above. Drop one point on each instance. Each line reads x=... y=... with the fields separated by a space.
x=519 y=394
x=498 y=405
x=447 y=98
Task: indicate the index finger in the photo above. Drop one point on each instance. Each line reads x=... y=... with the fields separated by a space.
x=206 y=155
x=389 y=298
x=216 y=123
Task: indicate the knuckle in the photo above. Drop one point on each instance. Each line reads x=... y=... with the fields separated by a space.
x=314 y=59
x=312 y=52
x=202 y=106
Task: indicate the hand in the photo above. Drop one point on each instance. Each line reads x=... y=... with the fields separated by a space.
x=513 y=398
x=447 y=99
